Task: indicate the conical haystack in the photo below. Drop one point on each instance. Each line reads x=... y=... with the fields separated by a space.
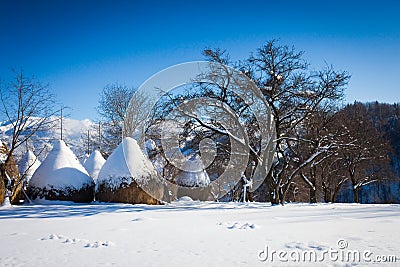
x=61 y=177
x=28 y=165
x=93 y=164
x=194 y=185
x=125 y=169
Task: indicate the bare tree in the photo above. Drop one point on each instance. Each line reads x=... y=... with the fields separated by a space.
x=366 y=154
x=136 y=117
x=315 y=143
x=333 y=177
x=293 y=93
x=113 y=104
x=28 y=106
x=90 y=140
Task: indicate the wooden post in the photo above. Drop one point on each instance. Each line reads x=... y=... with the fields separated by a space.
x=61 y=128
x=100 y=136
x=88 y=141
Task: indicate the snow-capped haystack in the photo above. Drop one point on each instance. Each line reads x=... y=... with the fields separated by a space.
x=125 y=169
x=193 y=179
x=28 y=165
x=61 y=177
x=94 y=163
x=195 y=185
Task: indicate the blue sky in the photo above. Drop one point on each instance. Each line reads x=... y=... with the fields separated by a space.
x=80 y=46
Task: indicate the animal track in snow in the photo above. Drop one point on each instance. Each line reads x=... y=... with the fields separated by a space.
x=98 y=244
x=86 y=243
x=238 y=225
x=305 y=246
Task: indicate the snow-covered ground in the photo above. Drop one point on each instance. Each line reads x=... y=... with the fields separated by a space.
x=191 y=233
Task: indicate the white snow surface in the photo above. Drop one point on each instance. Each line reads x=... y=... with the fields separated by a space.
x=194 y=233
x=84 y=158
x=28 y=165
x=94 y=163
x=127 y=162
x=60 y=169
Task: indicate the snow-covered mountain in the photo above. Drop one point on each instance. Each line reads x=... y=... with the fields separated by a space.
x=42 y=142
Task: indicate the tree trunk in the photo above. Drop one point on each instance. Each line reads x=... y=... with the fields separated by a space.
x=335 y=193
x=355 y=192
x=327 y=195
x=9 y=169
x=281 y=195
x=275 y=195
x=313 y=195
x=271 y=189
x=2 y=190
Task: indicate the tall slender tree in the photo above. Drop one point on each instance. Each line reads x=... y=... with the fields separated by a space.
x=28 y=105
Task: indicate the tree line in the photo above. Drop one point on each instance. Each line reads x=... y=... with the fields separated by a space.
x=323 y=147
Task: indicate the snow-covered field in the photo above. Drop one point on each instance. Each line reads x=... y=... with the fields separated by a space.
x=190 y=233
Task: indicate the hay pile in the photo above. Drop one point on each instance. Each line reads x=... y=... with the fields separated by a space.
x=195 y=185
x=93 y=164
x=125 y=169
x=61 y=177
x=2 y=191
x=28 y=165
x=10 y=175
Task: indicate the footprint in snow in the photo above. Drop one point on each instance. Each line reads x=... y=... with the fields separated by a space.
x=72 y=240
x=305 y=246
x=99 y=244
x=88 y=244
x=240 y=226
x=54 y=237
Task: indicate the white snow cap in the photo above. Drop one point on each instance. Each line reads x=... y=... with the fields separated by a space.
x=127 y=162
x=28 y=165
x=61 y=169
x=193 y=179
x=94 y=163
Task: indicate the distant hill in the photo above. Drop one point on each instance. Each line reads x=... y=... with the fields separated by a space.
x=74 y=132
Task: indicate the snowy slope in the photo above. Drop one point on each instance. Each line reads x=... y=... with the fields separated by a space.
x=194 y=234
